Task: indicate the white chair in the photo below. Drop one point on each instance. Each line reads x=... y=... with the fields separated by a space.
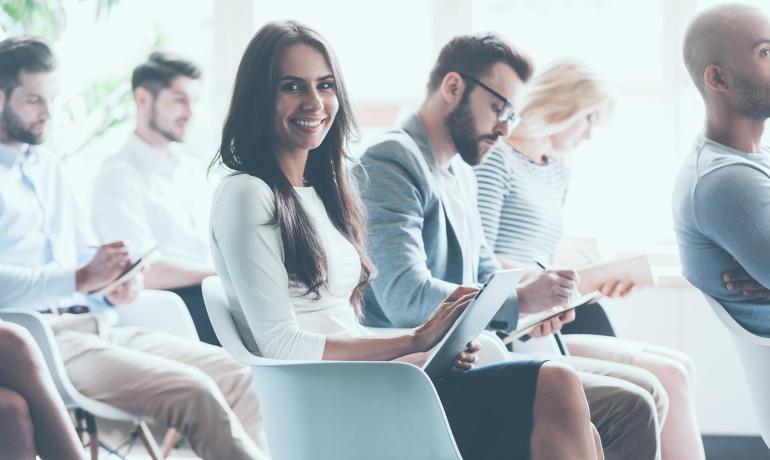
x=155 y=309
x=754 y=352
x=340 y=410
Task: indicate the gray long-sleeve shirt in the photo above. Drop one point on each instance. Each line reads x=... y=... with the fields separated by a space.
x=721 y=208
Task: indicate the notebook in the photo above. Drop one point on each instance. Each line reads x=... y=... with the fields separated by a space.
x=126 y=274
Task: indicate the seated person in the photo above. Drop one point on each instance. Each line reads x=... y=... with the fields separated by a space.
x=721 y=196
x=523 y=184
x=427 y=237
x=193 y=387
x=154 y=194
x=33 y=419
x=288 y=238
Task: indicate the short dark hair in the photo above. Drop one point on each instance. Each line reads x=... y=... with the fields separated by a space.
x=160 y=69
x=474 y=55
x=23 y=54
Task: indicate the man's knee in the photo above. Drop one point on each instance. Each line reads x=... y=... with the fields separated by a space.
x=638 y=406
x=652 y=385
x=195 y=386
x=619 y=404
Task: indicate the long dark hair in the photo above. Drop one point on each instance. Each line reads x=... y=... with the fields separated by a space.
x=247 y=147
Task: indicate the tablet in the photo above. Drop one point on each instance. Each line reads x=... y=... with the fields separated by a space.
x=472 y=321
x=126 y=274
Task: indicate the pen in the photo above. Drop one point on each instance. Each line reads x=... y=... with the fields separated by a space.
x=526 y=337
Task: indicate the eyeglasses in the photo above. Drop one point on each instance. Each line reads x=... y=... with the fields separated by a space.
x=506 y=114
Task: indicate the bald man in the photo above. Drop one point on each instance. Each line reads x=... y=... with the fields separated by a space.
x=721 y=199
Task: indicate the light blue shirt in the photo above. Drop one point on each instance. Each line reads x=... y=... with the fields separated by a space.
x=42 y=231
x=722 y=221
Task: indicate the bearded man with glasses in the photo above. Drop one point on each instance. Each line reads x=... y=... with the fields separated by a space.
x=426 y=235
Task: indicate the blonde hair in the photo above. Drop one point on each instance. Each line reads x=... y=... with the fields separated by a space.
x=558 y=97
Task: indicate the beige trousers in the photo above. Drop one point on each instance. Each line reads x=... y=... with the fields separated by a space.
x=626 y=405
x=680 y=436
x=191 y=386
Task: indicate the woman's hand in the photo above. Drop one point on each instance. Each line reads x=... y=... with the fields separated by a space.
x=466 y=360
x=617 y=288
x=429 y=333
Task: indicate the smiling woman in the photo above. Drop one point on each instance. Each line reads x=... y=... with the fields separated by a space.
x=305 y=107
x=295 y=132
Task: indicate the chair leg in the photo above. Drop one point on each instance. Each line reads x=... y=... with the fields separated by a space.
x=80 y=422
x=93 y=436
x=149 y=441
x=169 y=441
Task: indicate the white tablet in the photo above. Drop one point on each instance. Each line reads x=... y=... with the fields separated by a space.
x=472 y=321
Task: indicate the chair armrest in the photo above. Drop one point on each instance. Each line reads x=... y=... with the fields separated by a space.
x=493 y=349
x=539 y=345
x=160 y=310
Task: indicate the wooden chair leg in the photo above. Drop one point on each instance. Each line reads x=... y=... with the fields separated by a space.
x=169 y=441
x=149 y=441
x=93 y=436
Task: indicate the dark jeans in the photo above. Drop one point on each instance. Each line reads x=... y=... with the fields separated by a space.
x=490 y=409
x=193 y=298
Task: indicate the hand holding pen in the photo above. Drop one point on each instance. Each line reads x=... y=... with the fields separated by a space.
x=563 y=286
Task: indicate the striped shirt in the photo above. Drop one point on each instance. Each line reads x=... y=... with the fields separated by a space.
x=521 y=204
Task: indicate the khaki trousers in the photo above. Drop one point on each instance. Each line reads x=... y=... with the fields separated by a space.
x=680 y=436
x=191 y=386
x=626 y=404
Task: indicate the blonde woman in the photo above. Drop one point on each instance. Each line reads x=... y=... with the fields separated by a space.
x=522 y=187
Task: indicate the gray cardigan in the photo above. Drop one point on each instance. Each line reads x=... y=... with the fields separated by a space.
x=411 y=239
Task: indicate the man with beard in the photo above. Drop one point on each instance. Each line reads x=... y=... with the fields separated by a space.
x=426 y=235
x=47 y=264
x=152 y=194
x=721 y=200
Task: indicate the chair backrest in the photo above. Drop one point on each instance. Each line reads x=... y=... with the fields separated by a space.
x=222 y=321
x=33 y=322
x=343 y=410
x=353 y=410
x=41 y=332
x=754 y=352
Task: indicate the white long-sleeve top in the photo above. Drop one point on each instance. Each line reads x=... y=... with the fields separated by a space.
x=149 y=197
x=273 y=317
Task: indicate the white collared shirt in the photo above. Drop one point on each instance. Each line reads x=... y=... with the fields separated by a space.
x=43 y=233
x=149 y=197
x=459 y=199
